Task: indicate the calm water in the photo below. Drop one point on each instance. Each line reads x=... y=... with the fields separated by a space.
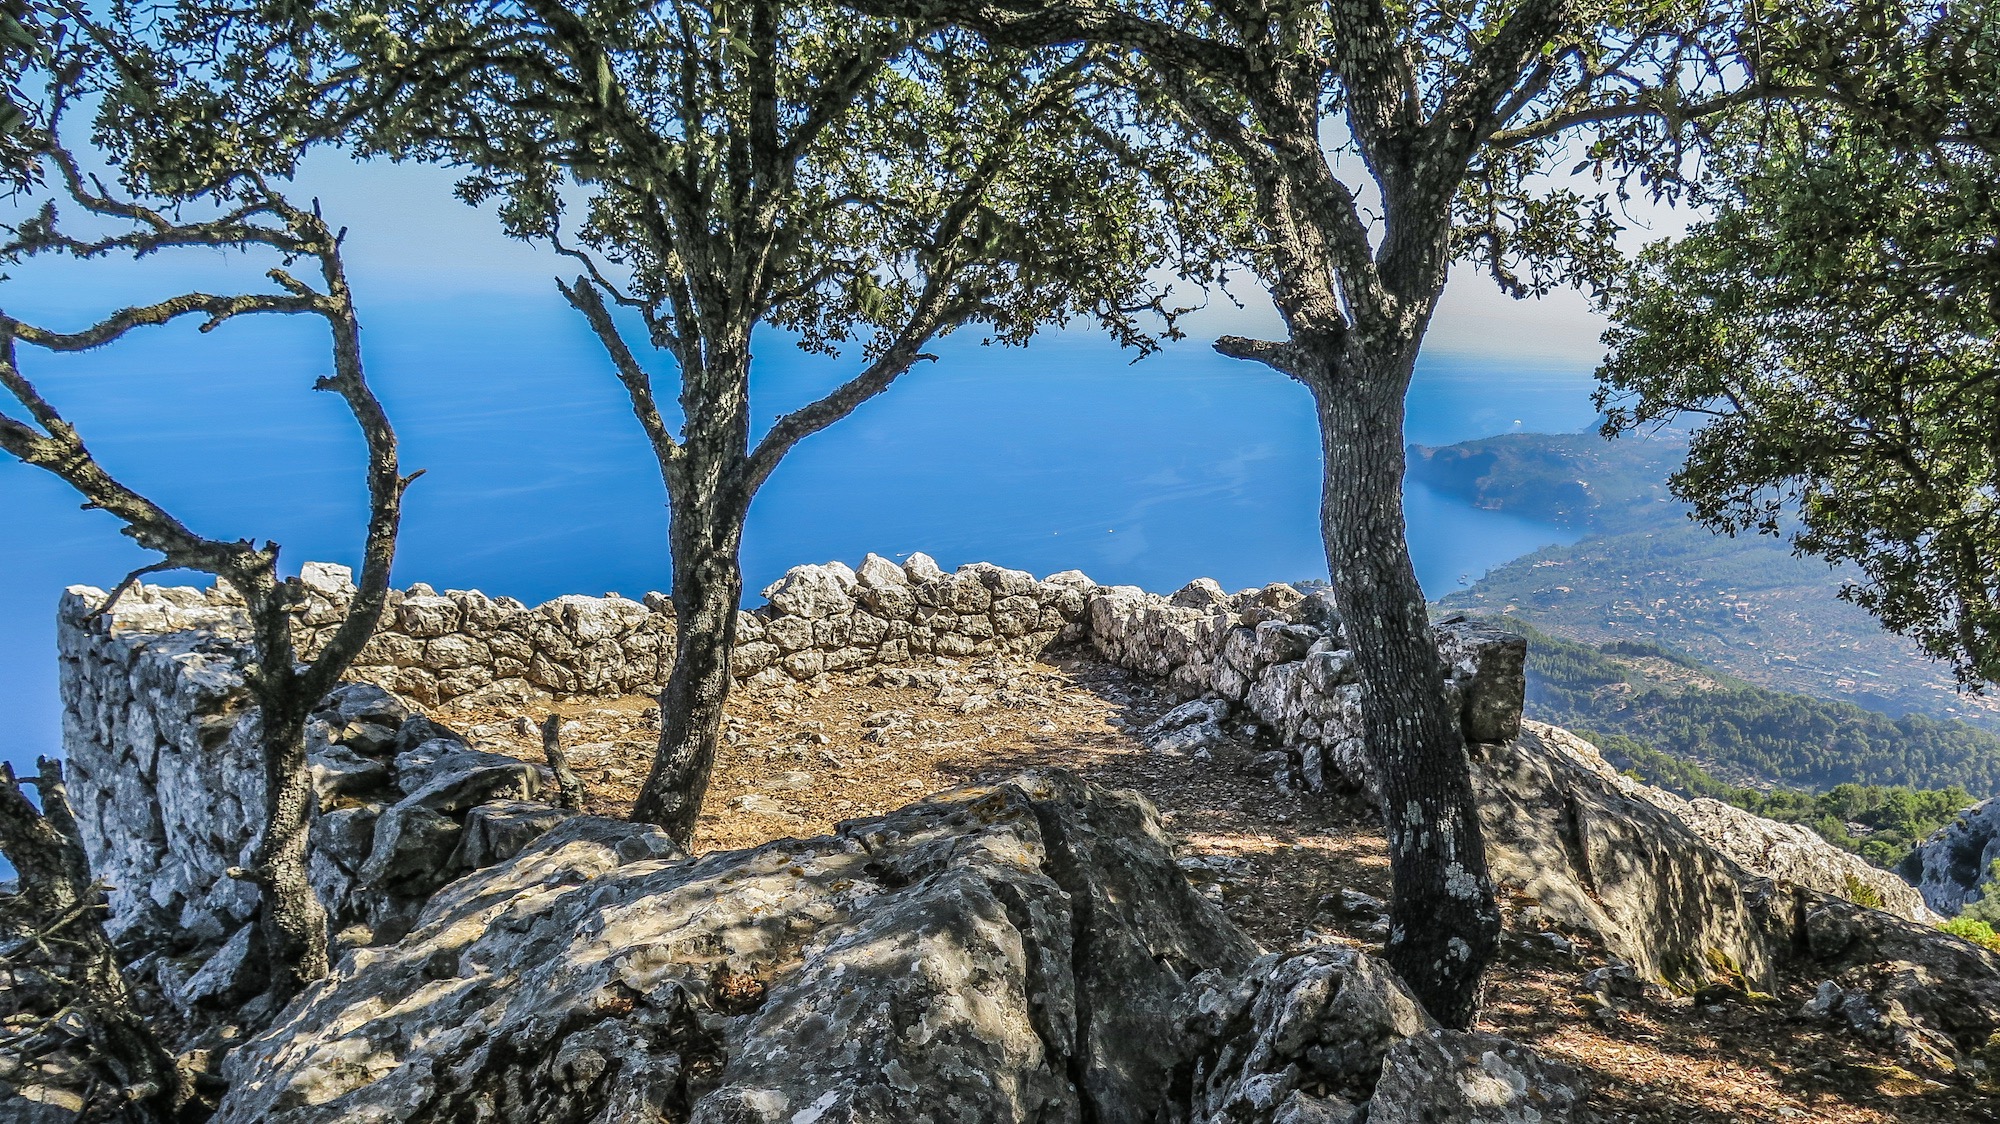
x=1061 y=455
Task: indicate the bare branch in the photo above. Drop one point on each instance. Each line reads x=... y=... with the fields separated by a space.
x=583 y=296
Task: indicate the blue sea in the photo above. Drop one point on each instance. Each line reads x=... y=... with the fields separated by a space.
x=1062 y=454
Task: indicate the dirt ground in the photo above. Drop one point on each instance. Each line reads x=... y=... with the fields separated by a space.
x=1290 y=868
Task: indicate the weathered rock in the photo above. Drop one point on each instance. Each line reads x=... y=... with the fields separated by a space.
x=1490 y=668
x=1011 y=953
x=1605 y=855
x=814 y=591
x=1954 y=866
x=1295 y=1034
x=1450 y=1076
x=1609 y=862
x=1201 y=593
x=1797 y=855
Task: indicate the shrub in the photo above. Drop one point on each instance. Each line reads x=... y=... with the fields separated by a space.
x=1974 y=930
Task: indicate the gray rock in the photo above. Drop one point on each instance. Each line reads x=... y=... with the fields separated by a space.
x=1190 y=713
x=1448 y=1075
x=1321 y=1022
x=1605 y=860
x=1490 y=668
x=341 y=776
x=226 y=978
x=1188 y=740
x=456 y=781
x=1954 y=866
x=1002 y=954
x=922 y=568
x=1795 y=854
x=361 y=702
x=498 y=831
x=814 y=591
x=1201 y=593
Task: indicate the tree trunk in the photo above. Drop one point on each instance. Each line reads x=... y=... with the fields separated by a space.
x=708 y=588
x=1444 y=923
x=293 y=920
x=64 y=981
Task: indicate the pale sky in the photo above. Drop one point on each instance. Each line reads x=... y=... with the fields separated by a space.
x=410 y=238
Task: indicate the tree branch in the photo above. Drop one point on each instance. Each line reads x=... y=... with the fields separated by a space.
x=583 y=296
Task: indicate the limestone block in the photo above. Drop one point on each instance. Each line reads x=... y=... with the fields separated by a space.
x=790 y=634
x=814 y=591
x=749 y=659
x=427 y=617
x=458 y=651
x=804 y=665
x=921 y=568
x=865 y=630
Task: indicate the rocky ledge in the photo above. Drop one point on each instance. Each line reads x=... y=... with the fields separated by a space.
x=1025 y=951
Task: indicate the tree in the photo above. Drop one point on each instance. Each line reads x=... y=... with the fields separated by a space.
x=66 y=996
x=72 y=62
x=747 y=164
x=1835 y=326
x=1452 y=112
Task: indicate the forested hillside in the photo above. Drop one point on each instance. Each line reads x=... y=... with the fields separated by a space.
x=1745 y=605
x=1865 y=781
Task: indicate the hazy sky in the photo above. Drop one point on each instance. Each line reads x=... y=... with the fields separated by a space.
x=409 y=238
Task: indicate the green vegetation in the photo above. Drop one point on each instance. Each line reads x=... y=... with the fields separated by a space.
x=1833 y=329
x=1744 y=604
x=1978 y=932
x=1669 y=721
x=1986 y=910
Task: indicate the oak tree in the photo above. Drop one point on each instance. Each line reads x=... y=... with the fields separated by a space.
x=727 y=174
x=160 y=208
x=1834 y=327
x=1382 y=143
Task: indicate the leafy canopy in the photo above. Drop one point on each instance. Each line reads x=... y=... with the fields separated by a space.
x=1837 y=322
x=732 y=162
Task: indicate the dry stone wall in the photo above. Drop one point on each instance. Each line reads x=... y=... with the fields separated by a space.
x=162 y=736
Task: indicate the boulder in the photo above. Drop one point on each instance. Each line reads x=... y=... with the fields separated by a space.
x=1606 y=856
x=1796 y=855
x=1448 y=1075
x=1954 y=867
x=814 y=591
x=1489 y=667
x=1296 y=1036
x=1015 y=952
x=1605 y=860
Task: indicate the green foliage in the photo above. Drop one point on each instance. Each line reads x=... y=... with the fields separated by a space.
x=1976 y=931
x=1987 y=908
x=745 y=161
x=1861 y=893
x=1838 y=323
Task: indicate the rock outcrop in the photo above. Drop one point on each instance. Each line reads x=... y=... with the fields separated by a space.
x=164 y=738
x=1603 y=859
x=163 y=753
x=1954 y=867
x=1026 y=951
x=1615 y=861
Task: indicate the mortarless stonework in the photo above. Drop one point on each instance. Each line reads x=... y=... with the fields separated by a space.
x=162 y=737
x=162 y=744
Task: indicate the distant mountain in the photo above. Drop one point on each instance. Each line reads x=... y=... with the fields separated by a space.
x=1645 y=571
x=1575 y=480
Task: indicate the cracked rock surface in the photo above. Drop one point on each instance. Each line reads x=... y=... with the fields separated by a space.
x=1025 y=951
